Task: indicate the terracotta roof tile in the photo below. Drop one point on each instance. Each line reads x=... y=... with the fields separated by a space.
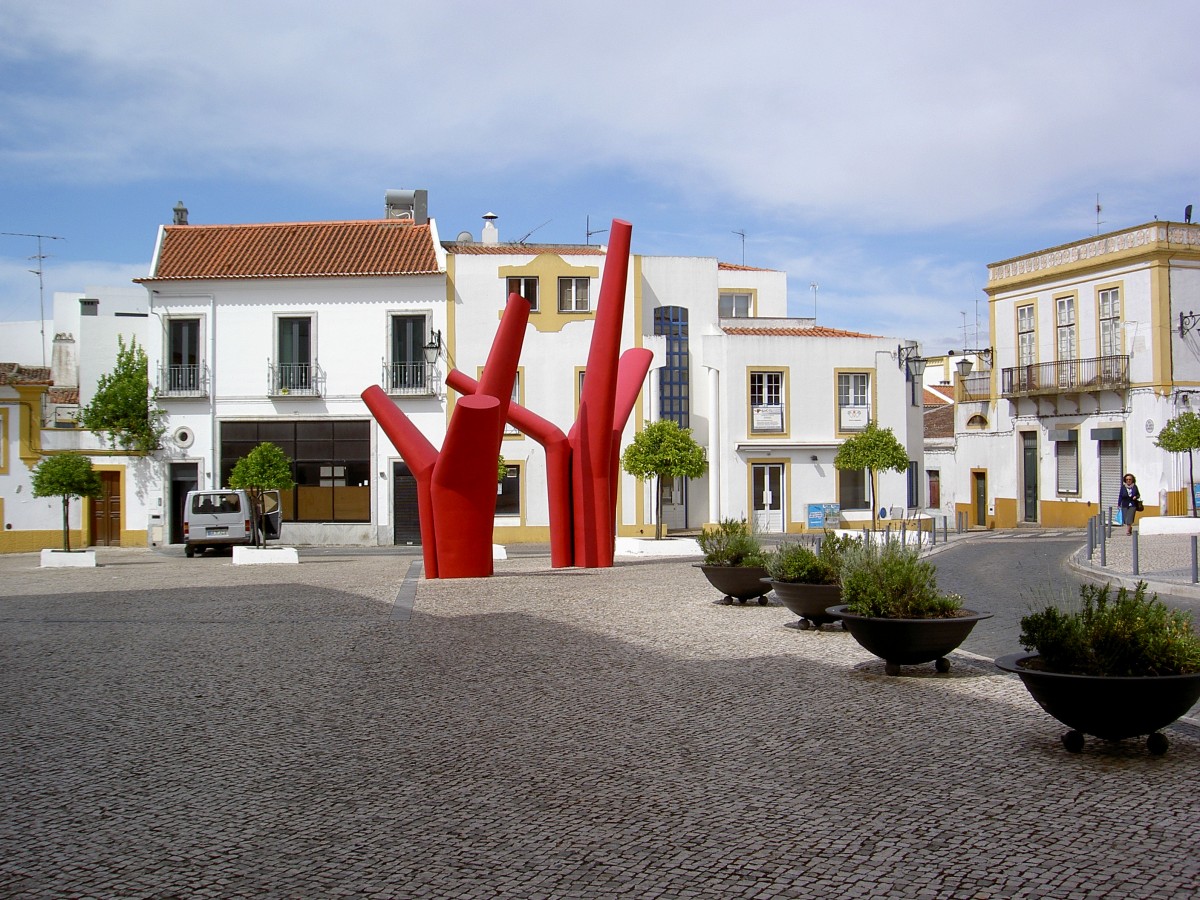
x=296 y=250
x=63 y=395
x=815 y=331
x=939 y=422
x=733 y=267
x=933 y=399
x=511 y=249
x=15 y=373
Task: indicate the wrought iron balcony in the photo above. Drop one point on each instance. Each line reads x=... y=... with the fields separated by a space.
x=183 y=381
x=409 y=378
x=974 y=387
x=1066 y=376
x=295 y=380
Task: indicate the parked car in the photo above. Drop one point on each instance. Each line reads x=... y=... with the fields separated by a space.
x=226 y=517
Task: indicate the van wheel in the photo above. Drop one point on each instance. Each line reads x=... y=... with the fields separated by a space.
x=189 y=551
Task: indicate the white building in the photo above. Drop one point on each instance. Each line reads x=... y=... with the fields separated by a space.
x=271 y=332
x=1095 y=347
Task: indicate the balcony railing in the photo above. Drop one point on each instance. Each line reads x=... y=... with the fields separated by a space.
x=295 y=380
x=183 y=381
x=408 y=378
x=974 y=387
x=1067 y=376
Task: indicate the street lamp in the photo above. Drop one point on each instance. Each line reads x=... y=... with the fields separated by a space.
x=434 y=348
x=965 y=365
x=910 y=360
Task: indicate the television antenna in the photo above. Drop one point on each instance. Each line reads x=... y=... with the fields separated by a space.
x=813 y=286
x=1098 y=208
x=587 y=227
x=525 y=236
x=743 y=235
x=41 y=283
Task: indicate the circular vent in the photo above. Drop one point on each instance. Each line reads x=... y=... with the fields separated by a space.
x=183 y=436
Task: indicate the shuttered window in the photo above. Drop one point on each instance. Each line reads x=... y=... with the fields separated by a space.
x=1066 y=457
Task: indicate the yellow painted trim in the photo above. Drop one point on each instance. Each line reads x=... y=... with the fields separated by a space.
x=32 y=541
x=3 y=448
x=1160 y=325
x=521 y=534
x=873 y=390
x=579 y=370
x=29 y=434
x=786 y=397
x=548 y=268
x=522 y=500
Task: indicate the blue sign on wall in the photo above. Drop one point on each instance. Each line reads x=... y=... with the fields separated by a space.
x=823 y=515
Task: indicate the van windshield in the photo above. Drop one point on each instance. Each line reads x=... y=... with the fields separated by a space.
x=211 y=504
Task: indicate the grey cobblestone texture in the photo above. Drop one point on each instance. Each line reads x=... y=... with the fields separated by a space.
x=198 y=730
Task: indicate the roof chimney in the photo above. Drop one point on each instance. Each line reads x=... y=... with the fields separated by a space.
x=180 y=213
x=491 y=235
x=89 y=307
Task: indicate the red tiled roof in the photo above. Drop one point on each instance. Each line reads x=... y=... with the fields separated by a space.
x=732 y=267
x=63 y=395
x=296 y=250
x=15 y=373
x=474 y=249
x=932 y=399
x=815 y=331
x=939 y=422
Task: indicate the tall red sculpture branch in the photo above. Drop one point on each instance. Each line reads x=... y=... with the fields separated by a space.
x=456 y=488
x=582 y=468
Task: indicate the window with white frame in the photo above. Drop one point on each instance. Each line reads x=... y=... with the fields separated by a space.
x=1066 y=464
x=183 y=373
x=526 y=287
x=1065 y=321
x=293 y=373
x=574 y=295
x=766 y=402
x=1026 y=338
x=854 y=409
x=1110 y=321
x=516 y=398
x=407 y=369
x=733 y=305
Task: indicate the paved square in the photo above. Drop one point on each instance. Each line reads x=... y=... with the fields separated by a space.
x=179 y=728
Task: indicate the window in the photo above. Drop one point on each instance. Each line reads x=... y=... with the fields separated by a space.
x=508 y=492
x=1110 y=322
x=1065 y=322
x=766 y=402
x=673 y=380
x=294 y=372
x=854 y=410
x=516 y=398
x=733 y=305
x=331 y=465
x=1026 y=349
x=914 y=485
x=573 y=295
x=1066 y=463
x=407 y=370
x=852 y=489
x=527 y=288
x=183 y=356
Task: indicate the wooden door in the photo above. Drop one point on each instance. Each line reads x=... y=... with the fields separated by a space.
x=106 y=511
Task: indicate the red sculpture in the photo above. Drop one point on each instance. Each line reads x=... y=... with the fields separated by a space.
x=457 y=503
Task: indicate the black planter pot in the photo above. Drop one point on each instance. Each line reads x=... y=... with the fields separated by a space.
x=1107 y=707
x=808 y=601
x=907 y=642
x=739 y=583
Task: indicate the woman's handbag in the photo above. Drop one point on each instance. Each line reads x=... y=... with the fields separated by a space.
x=1137 y=504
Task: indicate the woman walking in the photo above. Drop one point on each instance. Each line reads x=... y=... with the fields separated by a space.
x=1129 y=502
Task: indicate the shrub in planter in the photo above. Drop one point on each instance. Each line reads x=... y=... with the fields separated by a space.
x=734 y=561
x=1113 y=667
x=893 y=607
x=807 y=581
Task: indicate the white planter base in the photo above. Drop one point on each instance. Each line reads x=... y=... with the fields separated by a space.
x=265 y=556
x=75 y=559
x=1166 y=525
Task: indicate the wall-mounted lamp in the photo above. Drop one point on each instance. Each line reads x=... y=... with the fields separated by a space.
x=434 y=348
x=813 y=457
x=910 y=360
x=965 y=365
x=1187 y=321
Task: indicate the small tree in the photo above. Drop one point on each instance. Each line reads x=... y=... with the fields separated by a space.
x=265 y=468
x=66 y=475
x=120 y=409
x=1182 y=435
x=663 y=450
x=876 y=450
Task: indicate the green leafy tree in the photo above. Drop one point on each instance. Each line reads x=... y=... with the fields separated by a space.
x=876 y=450
x=663 y=450
x=66 y=475
x=1182 y=435
x=120 y=409
x=265 y=468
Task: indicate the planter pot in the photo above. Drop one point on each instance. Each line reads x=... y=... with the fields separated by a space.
x=265 y=556
x=808 y=601
x=1107 y=707
x=907 y=642
x=739 y=583
x=68 y=559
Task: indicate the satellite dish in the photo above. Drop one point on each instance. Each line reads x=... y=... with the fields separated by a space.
x=465 y=237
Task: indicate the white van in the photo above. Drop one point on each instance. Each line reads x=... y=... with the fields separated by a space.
x=226 y=517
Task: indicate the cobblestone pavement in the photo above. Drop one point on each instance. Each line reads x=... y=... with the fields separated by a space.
x=195 y=729
x=1164 y=562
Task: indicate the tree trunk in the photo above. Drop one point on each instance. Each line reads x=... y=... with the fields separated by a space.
x=66 y=524
x=874 y=510
x=658 y=522
x=1192 y=479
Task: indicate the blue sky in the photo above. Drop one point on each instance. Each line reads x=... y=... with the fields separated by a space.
x=886 y=151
